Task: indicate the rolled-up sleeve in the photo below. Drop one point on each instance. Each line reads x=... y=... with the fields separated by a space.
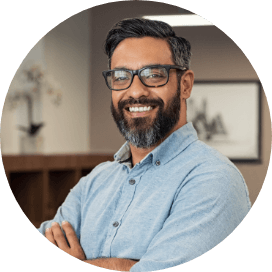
x=207 y=208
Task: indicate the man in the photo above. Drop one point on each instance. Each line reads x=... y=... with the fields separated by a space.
x=167 y=197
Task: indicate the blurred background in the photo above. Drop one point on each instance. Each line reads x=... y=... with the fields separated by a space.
x=56 y=124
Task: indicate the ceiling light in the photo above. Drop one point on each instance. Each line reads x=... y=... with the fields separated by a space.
x=181 y=20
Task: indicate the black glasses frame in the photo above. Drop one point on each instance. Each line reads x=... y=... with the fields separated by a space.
x=138 y=72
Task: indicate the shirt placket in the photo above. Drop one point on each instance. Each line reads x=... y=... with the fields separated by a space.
x=125 y=200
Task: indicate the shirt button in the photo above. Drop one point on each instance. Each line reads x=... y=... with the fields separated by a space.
x=115 y=224
x=158 y=163
x=132 y=182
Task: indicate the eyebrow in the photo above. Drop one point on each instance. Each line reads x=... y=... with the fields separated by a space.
x=124 y=67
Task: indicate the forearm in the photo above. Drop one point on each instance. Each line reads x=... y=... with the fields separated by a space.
x=113 y=263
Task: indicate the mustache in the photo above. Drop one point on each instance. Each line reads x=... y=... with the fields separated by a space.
x=142 y=100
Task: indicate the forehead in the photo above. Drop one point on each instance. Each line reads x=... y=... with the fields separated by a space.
x=135 y=53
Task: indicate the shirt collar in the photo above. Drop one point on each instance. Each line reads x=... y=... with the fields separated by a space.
x=123 y=155
x=167 y=150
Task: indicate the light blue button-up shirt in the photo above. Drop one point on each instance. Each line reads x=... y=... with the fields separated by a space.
x=180 y=201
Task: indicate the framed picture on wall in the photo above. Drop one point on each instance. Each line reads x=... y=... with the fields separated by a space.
x=227 y=116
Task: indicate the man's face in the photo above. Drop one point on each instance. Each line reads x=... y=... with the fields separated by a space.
x=161 y=105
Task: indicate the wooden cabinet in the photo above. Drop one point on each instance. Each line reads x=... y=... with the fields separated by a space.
x=40 y=183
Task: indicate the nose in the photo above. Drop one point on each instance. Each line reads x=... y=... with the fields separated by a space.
x=137 y=88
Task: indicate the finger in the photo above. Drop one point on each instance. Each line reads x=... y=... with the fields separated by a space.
x=70 y=234
x=49 y=236
x=59 y=237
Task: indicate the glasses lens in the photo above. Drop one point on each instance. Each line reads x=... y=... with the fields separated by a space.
x=155 y=76
x=118 y=79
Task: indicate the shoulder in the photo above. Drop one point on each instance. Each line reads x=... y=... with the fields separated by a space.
x=212 y=173
x=103 y=168
x=101 y=172
x=203 y=152
x=204 y=158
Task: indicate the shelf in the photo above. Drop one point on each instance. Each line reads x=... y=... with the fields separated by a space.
x=60 y=184
x=39 y=162
x=27 y=189
x=40 y=183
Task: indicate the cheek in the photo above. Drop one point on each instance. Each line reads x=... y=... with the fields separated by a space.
x=115 y=99
x=167 y=95
x=118 y=96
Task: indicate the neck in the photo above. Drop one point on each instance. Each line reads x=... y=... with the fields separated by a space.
x=139 y=153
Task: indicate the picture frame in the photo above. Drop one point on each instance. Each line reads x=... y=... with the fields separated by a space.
x=227 y=117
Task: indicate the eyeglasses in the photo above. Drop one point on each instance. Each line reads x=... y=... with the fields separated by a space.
x=151 y=76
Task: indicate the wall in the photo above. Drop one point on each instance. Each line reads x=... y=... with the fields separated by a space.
x=65 y=52
x=12 y=117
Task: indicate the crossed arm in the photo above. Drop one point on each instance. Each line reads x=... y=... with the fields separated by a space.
x=55 y=236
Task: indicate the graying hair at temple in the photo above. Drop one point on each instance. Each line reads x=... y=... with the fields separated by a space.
x=138 y=28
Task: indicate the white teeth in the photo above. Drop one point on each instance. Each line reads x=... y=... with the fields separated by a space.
x=139 y=109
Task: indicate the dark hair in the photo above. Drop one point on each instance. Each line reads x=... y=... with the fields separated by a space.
x=138 y=28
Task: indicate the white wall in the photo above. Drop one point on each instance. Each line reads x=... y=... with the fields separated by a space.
x=66 y=55
x=11 y=118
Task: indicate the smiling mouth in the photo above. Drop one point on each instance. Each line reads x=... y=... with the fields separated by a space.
x=140 y=109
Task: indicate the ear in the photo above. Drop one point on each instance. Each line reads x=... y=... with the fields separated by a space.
x=186 y=84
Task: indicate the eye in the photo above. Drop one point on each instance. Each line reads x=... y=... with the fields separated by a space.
x=155 y=72
x=120 y=76
x=154 y=75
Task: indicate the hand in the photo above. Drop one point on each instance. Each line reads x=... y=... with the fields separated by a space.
x=55 y=236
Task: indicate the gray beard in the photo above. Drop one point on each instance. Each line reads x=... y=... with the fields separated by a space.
x=139 y=133
x=140 y=138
